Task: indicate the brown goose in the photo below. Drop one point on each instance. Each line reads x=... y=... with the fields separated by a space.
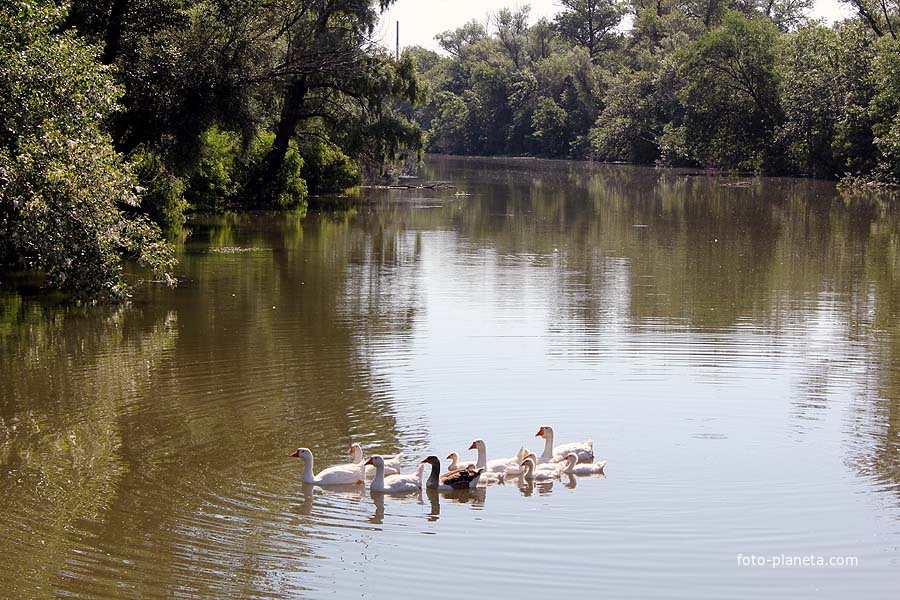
x=460 y=479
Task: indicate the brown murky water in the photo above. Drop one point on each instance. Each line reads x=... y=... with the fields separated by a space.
x=732 y=347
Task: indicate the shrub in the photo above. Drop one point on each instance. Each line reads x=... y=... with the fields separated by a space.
x=212 y=183
x=325 y=167
x=288 y=189
x=162 y=192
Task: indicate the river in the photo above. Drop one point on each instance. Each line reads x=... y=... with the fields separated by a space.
x=732 y=347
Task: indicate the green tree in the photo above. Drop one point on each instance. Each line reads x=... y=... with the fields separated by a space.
x=551 y=128
x=730 y=94
x=590 y=23
x=812 y=99
x=67 y=198
x=885 y=109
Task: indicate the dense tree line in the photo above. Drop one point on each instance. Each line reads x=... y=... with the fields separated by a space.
x=116 y=116
x=747 y=85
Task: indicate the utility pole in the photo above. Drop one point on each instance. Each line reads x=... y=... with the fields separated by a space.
x=398 y=40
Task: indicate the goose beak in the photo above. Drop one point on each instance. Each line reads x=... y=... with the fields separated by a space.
x=369 y=462
x=296 y=454
x=351 y=450
x=473 y=446
x=540 y=433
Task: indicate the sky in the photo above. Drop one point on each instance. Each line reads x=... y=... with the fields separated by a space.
x=421 y=20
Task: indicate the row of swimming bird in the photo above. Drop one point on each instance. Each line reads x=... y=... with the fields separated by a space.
x=574 y=458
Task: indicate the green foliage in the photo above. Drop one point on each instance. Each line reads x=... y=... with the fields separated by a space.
x=325 y=167
x=590 y=23
x=640 y=104
x=885 y=109
x=550 y=127
x=286 y=188
x=67 y=198
x=212 y=182
x=730 y=93
x=450 y=129
x=810 y=99
x=162 y=194
x=746 y=85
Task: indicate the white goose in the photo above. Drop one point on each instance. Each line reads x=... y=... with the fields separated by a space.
x=531 y=474
x=573 y=468
x=551 y=468
x=454 y=465
x=394 y=484
x=583 y=450
x=391 y=463
x=337 y=475
x=498 y=465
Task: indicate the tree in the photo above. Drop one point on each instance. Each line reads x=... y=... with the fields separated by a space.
x=512 y=31
x=882 y=16
x=550 y=127
x=589 y=23
x=67 y=198
x=730 y=94
x=330 y=69
x=885 y=109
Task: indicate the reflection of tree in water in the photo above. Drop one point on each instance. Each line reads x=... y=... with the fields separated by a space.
x=67 y=379
x=172 y=434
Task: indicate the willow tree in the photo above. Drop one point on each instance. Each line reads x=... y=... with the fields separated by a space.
x=329 y=68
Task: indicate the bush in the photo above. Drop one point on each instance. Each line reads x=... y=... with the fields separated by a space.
x=212 y=183
x=288 y=188
x=162 y=193
x=325 y=167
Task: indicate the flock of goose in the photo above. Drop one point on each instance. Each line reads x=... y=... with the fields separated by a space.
x=575 y=458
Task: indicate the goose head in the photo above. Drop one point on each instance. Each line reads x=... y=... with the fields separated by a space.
x=453 y=457
x=303 y=453
x=545 y=431
x=528 y=464
x=432 y=460
x=376 y=461
x=477 y=445
x=356 y=452
x=571 y=460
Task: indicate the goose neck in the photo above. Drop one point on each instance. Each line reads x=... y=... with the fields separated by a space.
x=548 y=446
x=434 y=478
x=378 y=480
x=482 y=457
x=308 y=476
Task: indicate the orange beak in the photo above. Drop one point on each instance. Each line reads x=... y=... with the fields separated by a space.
x=351 y=450
x=540 y=433
x=369 y=462
x=473 y=446
x=296 y=454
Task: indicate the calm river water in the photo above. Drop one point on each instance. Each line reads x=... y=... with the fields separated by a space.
x=732 y=347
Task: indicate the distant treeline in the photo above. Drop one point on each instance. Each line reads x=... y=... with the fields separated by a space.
x=748 y=85
x=117 y=116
